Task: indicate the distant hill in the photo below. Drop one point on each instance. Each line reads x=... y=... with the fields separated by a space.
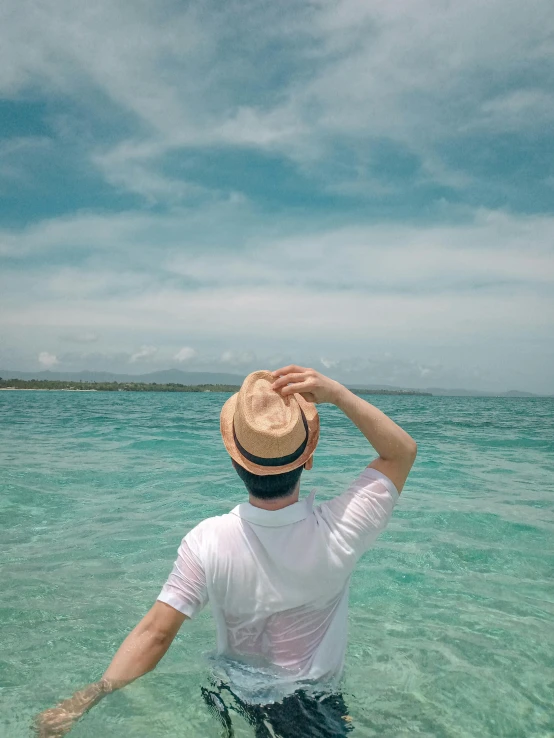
x=517 y=393
x=166 y=376
x=441 y=392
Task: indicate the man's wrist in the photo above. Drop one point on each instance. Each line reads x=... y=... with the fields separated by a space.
x=338 y=394
x=112 y=685
x=105 y=686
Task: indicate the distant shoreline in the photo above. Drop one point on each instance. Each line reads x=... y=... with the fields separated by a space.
x=66 y=385
x=46 y=385
x=43 y=389
x=175 y=380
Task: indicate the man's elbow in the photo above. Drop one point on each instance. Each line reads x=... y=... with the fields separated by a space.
x=157 y=635
x=404 y=452
x=411 y=449
x=160 y=638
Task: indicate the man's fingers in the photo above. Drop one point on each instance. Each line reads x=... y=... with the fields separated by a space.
x=53 y=723
x=297 y=388
x=291 y=368
x=294 y=377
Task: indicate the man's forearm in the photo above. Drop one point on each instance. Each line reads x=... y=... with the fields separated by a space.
x=387 y=438
x=138 y=654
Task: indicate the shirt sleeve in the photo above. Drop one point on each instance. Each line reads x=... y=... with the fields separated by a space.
x=185 y=589
x=358 y=516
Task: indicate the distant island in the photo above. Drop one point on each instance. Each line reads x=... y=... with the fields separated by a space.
x=80 y=386
x=58 y=384
x=389 y=392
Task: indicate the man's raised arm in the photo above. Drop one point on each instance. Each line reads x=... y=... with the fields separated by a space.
x=139 y=653
x=397 y=450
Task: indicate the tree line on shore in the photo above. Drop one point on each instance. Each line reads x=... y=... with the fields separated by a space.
x=58 y=384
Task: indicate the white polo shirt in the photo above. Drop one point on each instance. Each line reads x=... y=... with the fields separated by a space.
x=277 y=582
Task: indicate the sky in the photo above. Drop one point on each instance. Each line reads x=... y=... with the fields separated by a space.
x=362 y=187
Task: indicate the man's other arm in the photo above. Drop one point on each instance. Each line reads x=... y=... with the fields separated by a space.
x=397 y=449
x=139 y=653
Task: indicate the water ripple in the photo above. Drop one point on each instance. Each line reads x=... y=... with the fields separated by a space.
x=451 y=614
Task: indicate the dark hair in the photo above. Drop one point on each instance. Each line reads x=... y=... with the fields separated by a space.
x=271 y=486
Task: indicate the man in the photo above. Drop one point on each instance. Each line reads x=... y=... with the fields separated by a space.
x=275 y=570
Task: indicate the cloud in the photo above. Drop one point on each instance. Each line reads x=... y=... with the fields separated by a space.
x=489 y=249
x=386 y=369
x=185 y=354
x=475 y=289
x=80 y=337
x=322 y=78
x=47 y=360
x=239 y=359
x=145 y=352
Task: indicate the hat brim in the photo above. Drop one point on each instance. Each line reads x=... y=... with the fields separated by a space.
x=228 y=435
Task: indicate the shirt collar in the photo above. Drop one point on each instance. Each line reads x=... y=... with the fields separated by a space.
x=273 y=518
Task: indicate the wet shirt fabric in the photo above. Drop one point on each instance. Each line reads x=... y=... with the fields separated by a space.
x=278 y=581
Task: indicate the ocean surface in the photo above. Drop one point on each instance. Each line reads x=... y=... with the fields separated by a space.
x=452 y=613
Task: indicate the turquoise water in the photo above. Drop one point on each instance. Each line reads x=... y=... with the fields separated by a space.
x=451 y=622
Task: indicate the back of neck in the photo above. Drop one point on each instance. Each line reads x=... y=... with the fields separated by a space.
x=279 y=503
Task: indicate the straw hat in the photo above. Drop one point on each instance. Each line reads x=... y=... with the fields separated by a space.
x=266 y=433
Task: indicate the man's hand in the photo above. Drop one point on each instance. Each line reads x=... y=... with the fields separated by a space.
x=58 y=721
x=396 y=449
x=313 y=386
x=55 y=723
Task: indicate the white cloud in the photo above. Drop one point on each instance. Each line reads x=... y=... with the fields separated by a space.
x=477 y=292
x=80 y=337
x=185 y=354
x=131 y=167
x=491 y=248
x=519 y=109
x=417 y=73
x=47 y=359
x=139 y=255
x=239 y=359
x=383 y=369
x=145 y=352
